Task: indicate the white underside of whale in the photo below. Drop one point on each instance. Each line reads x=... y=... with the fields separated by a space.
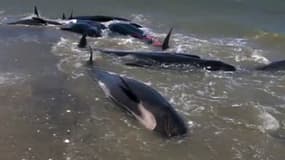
x=146 y=117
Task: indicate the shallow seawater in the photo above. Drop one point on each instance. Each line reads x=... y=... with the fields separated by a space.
x=51 y=109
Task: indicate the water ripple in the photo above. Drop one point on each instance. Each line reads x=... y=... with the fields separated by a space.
x=7 y=79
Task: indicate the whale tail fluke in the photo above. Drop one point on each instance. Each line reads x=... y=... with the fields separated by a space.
x=83 y=41
x=36 y=12
x=165 y=44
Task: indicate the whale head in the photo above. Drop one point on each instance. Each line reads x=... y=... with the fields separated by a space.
x=162 y=119
x=169 y=123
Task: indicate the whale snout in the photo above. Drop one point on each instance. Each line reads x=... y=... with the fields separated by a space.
x=171 y=125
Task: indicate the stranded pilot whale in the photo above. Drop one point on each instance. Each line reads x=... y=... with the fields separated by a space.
x=92 y=26
x=121 y=26
x=36 y=20
x=143 y=59
x=146 y=59
x=143 y=102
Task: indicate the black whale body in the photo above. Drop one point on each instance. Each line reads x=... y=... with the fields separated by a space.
x=36 y=20
x=134 y=30
x=145 y=53
x=85 y=27
x=143 y=102
x=158 y=58
x=94 y=28
x=99 y=18
x=29 y=21
x=127 y=29
x=274 y=66
x=93 y=25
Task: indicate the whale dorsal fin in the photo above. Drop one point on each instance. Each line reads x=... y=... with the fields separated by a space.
x=90 y=61
x=71 y=15
x=63 y=16
x=36 y=12
x=165 y=44
x=128 y=91
x=83 y=41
